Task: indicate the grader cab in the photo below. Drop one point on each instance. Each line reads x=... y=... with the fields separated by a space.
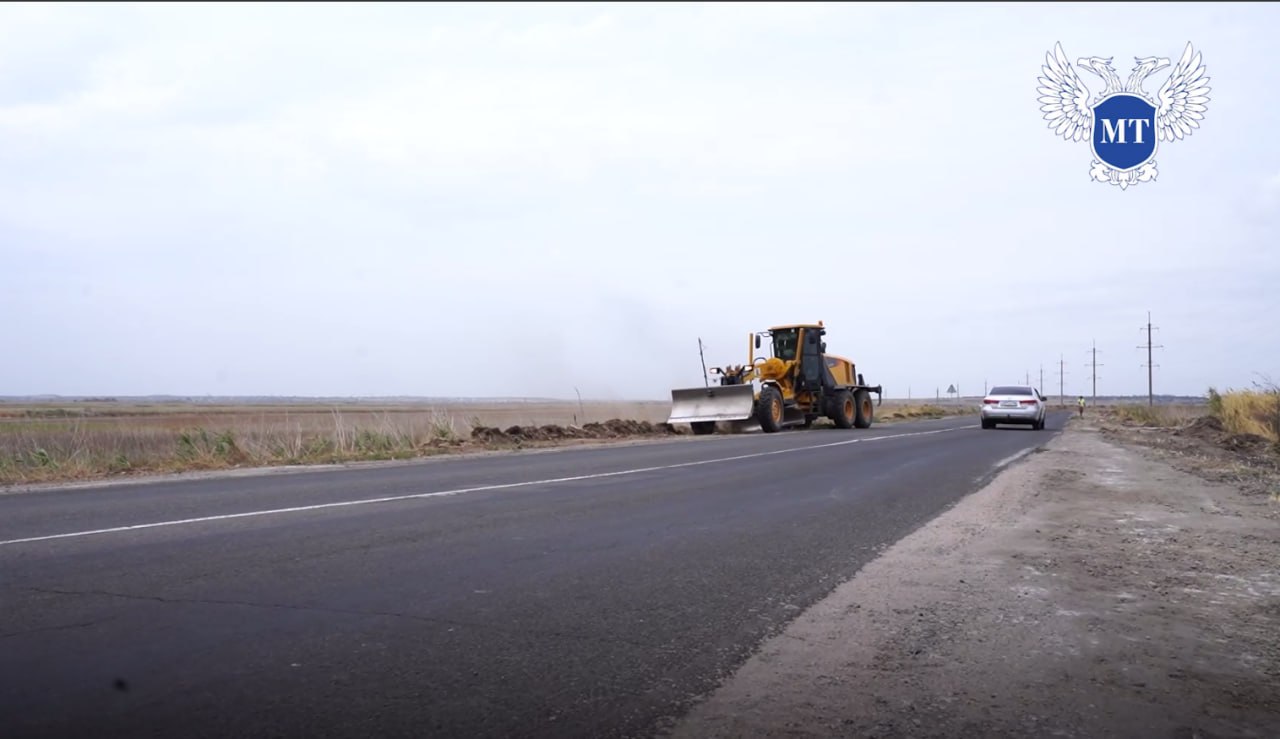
x=792 y=383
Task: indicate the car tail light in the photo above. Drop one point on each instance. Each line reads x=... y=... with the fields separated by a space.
x=1028 y=402
x=989 y=401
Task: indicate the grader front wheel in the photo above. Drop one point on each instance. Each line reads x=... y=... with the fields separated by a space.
x=769 y=410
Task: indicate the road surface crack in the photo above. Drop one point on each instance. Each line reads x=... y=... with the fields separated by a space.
x=60 y=627
x=557 y=634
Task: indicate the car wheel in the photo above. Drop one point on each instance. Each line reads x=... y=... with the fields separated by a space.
x=987 y=424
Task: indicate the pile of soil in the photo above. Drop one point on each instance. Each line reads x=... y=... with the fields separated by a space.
x=615 y=428
x=1204 y=447
x=1210 y=431
x=1208 y=428
x=1246 y=443
x=927 y=411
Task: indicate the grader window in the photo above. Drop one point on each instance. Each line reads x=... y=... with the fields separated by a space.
x=784 y=344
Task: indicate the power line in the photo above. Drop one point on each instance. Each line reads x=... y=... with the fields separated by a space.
x=1150 y=365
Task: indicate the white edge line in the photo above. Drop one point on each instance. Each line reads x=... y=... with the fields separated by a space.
x=462 y=491
x=998 y=466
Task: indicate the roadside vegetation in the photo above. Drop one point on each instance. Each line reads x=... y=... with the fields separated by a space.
x=84 y=441
x=48 y=446
x=905 y=411
x=1233 y=437
x=1254 y=412
x=1155 y=416
x=914 y=412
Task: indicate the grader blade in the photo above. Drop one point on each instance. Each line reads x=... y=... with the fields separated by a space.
x=790 y=417
x=720 y=403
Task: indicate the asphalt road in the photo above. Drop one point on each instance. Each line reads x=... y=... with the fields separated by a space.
x=584 y=592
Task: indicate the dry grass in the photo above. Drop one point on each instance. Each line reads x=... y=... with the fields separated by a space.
x=1252 y=412
x=73 y=441
x=1152 y=416
x=1225 y=440
x=899 y=411
x=77 y=441
x=68 y=441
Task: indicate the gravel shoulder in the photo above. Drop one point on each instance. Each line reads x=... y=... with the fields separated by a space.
x=1092 y=589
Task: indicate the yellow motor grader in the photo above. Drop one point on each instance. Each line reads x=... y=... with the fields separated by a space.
x=792 y=384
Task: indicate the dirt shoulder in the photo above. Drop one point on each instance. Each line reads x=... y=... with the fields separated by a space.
x=1093 y=589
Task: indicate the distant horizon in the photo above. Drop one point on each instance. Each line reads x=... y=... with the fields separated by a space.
x=104 y=398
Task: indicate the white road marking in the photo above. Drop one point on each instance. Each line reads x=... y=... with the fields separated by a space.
x=462 y=491
x=999 y=465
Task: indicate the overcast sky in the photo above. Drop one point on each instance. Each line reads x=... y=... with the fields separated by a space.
x=513 y=199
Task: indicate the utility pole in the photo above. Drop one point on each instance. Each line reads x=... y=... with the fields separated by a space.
x=1151 y=397
x=1028 y=378
x=1062 y=371
x=706 y=380
x=1094 y=364
x=1041 y=378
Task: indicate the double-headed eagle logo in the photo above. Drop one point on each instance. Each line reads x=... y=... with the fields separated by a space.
x=1123 y=123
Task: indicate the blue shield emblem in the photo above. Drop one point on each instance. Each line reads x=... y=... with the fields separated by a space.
x=1124 y=131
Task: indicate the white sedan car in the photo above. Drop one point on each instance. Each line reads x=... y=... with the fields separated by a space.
x=1014 y=404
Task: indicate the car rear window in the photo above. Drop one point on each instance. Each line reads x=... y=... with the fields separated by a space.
x=1010 y=390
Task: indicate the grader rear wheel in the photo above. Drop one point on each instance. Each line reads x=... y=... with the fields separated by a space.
x=865 y=412
x=843 y=411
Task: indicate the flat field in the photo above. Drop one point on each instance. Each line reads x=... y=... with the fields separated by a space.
x=60 y=440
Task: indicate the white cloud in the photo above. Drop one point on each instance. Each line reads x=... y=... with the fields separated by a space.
x=1270 y=191
x=713 y=167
